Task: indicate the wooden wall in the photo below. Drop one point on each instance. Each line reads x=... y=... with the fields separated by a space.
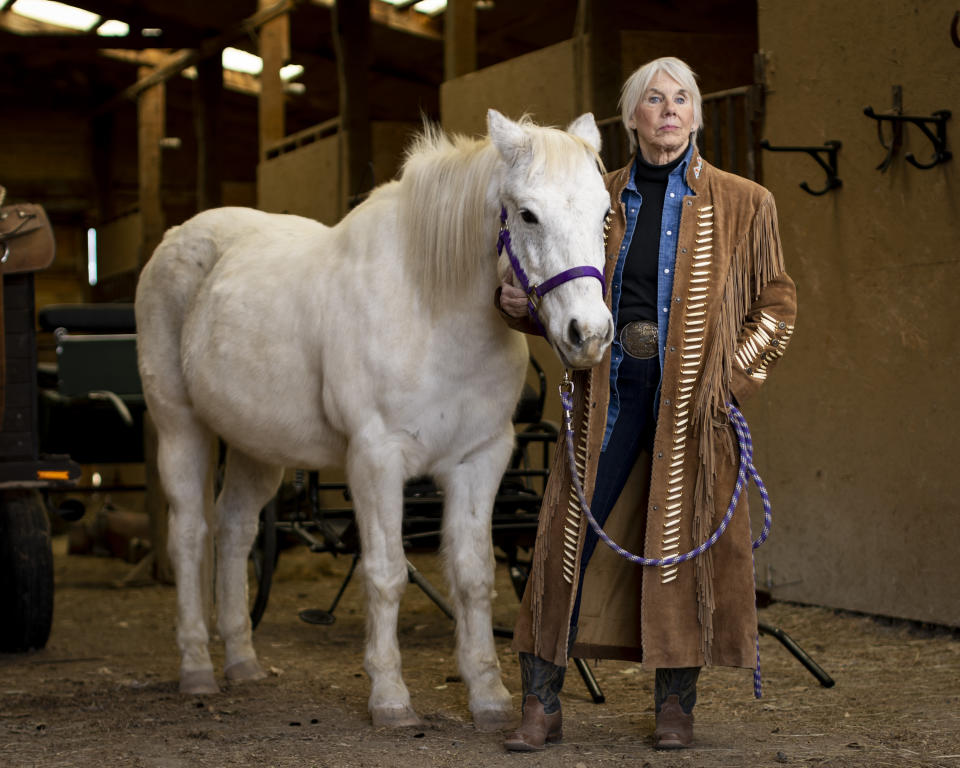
x=303 y=179
x=856 y=430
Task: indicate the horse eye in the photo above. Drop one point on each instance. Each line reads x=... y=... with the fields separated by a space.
x=527 y=216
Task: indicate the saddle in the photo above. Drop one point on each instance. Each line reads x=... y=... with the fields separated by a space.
x=26 y=245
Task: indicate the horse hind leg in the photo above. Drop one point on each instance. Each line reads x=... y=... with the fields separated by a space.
x=248 y=485
x=469 y=489
x=184 y=458
x=375 y=474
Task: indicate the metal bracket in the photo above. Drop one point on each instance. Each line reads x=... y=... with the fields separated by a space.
x=830 y=148
x=939 y=118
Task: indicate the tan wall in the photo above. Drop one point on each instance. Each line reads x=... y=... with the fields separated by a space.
x=539 y=84
x=303 y=181
x=856 y=430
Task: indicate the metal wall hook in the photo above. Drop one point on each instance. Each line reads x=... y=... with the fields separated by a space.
x=939 y=140
x=829 y=165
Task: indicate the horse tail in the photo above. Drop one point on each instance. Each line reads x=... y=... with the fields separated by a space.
x=167 y=286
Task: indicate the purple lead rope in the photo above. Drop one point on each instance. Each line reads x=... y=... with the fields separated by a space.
x=746 y=465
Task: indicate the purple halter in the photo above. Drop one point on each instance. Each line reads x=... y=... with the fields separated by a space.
x=537 y=292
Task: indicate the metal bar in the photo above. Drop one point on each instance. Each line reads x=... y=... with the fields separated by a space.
x=788 y=642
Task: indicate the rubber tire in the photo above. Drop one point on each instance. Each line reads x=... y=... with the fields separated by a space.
x=26 y=572
x=263 y=557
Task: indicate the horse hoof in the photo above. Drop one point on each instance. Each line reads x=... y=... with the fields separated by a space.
x=198 y=681
x=395 y=717
x=242 y=671
x=487 y=720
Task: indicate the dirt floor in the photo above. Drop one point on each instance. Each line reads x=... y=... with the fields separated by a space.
x=103 y=693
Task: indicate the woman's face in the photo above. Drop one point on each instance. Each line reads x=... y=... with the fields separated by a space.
x=663 y=120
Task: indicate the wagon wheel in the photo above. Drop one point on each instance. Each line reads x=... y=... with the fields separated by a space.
x=26 y=572
x=262 y=561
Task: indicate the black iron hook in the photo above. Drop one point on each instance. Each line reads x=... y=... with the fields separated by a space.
x=953 y=29
x=940 y=152
x=830 y=148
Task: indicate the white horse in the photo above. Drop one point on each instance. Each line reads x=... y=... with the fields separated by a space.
x=373 y=346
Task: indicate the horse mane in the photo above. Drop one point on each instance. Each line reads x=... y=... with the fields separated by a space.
x=444 y=184
x=445 y=207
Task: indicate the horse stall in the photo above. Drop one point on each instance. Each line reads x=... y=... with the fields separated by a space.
x=858 y=582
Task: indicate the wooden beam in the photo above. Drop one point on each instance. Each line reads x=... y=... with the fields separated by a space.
x=351 y=36
x=605 y=77
x=402 y=20
x=151 y=109
x=275 y=52
x=459 y=39
x=208 y=111
x=212 y=47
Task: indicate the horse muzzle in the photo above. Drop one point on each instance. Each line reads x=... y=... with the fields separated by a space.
x=583 y=344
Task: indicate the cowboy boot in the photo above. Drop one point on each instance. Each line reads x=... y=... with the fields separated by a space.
x=542 y=718
x=675 y=694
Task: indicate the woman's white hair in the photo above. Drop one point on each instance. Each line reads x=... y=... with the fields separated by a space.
x=635 y=86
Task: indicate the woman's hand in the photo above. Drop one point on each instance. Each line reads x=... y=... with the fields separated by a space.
x=513 y=301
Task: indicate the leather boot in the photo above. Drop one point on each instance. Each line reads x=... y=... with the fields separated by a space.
x=674 y=726
x=541 y=681
x=537 y=727
x=675 y=694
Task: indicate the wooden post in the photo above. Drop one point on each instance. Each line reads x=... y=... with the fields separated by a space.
x=151 y=108
x=351 y=37
x=459 y=38
x=605 y=77
x=275 y=52
x=208 y=111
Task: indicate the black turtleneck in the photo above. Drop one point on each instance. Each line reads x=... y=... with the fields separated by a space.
x=638 y=294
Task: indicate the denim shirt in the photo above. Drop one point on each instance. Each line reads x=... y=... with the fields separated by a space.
x=677 y=189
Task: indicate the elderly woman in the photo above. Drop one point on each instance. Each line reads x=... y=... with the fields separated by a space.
x=703 y=311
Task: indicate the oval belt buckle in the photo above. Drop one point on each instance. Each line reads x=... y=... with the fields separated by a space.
x=639 y=339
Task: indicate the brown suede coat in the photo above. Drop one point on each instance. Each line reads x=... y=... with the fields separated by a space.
x=732 y=314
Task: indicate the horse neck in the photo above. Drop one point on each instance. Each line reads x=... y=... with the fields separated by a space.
x=450 y=215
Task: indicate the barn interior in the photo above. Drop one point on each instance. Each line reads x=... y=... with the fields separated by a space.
x=139 y=115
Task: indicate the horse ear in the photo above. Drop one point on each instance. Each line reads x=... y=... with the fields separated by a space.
x=507 y=136
x=586 y=128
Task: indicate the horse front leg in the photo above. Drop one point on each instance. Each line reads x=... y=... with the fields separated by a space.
x=248 y=485
x=470 y=488
x=375 y=475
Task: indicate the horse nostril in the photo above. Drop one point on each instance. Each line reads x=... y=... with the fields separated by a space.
x=609 y=335
x=574 y=334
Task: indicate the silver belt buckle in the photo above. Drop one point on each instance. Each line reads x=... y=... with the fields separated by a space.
x=639 y=339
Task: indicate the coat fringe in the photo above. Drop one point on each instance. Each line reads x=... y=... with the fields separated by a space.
x=756 y=260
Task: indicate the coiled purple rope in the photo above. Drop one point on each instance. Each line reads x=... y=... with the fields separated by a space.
x=745 y=443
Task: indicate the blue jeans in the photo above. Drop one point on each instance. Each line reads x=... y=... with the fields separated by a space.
x=637 y=383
